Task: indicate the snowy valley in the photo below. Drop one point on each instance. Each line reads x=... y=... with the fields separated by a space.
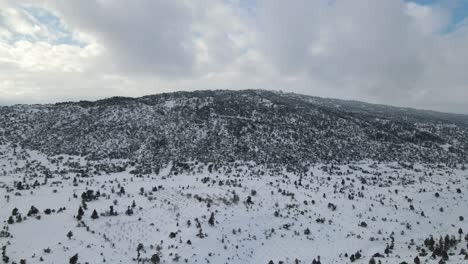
x=232 y=177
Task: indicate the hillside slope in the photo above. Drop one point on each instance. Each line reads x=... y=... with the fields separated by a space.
x=225 y=126
x=150 y=180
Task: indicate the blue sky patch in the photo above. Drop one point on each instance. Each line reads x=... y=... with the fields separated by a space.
x=458 y=10
x=53 y=23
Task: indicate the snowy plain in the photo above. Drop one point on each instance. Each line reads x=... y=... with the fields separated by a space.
x=342 y=213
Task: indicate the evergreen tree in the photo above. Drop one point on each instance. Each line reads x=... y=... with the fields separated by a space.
x=80 y=214
x=416 y=260
x=140 y=247
x=211 y=221
x=94 y=215
x=33 y=211
x=155 y=259
x=129 y=211
x=74 y=259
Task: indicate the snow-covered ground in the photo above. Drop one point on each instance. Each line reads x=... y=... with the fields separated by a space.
x=339 y=213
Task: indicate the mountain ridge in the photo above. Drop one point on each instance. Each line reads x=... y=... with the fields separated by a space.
x=462 y=115
x=247 y=125
x=353 y=101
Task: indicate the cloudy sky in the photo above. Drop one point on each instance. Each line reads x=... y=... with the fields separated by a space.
x=399 y=52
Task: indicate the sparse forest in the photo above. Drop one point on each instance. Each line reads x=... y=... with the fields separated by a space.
x=232 y=177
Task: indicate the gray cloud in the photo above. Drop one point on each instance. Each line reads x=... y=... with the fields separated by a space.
x=139 y=35
x=388 y=51
x=365 y=44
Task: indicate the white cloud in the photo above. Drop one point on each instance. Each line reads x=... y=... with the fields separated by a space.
x=44 y=57
x=428 y=19
x=384 y=51
x=141 y=36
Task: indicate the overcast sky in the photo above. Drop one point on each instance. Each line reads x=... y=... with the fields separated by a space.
x=408 y=53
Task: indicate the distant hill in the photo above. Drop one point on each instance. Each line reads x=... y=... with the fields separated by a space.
x=225 y=126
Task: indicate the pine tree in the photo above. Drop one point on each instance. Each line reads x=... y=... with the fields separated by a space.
x=416 y=260
x=69 y=234
x=211 y=221
x=74 y=259
x=94 y=215
x=155 y=259
x=140 y=247
x=33 y=211
x=129 y=211
x=80 y=214
x=445 y=255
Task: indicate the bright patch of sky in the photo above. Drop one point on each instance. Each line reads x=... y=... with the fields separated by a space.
x=458 y=10
x=59 y=34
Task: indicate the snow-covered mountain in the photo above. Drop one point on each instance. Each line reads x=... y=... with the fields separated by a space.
x=227 y=126
x=232 y=177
